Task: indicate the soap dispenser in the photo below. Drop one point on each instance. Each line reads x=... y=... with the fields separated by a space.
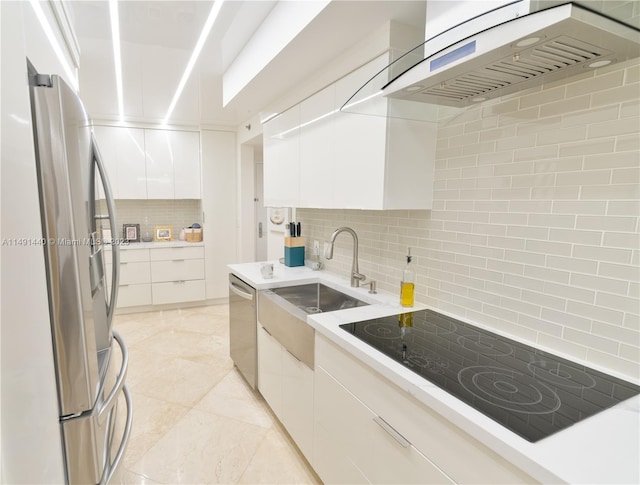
x=407 y=285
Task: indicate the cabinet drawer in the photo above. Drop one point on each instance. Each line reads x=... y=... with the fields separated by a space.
x=134 y=255
x=131 y=273
x=420 y=425
x=376 y=451
x=176 y=270
x=167 y=254
x=134 y=295
x=134 y=273
x=177 y=292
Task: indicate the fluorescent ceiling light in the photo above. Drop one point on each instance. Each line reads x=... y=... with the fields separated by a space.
x=215 y=10
x=117 y=61
x=71 y=73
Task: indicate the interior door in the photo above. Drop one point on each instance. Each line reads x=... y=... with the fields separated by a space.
x=261 y=228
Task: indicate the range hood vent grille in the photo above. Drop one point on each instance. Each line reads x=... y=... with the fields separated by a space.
x=548 y=57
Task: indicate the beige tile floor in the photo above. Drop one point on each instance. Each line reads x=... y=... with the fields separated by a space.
x=195 y=418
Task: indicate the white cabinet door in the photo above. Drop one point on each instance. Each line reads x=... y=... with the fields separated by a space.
x=132 y=172
x=317 y=150
x=177 y=270
x=219 y=205
x=270 y=370
x=281 y=154
x=123 y=152
x=177 y=292
x=106 y=138
x=297 y=402
x=159 y=157
x=186 y=164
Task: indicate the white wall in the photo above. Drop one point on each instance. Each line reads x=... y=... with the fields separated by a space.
x=535 y=226
x=31 y=443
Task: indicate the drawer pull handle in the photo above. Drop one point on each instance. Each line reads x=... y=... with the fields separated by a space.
x=394 y=434
x=122 y=263
x=293 y=355
x=179 y=282
x=178 y=260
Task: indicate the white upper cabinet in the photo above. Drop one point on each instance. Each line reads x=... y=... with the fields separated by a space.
x=348 y=159
x=160 y=158
x=281 y=159
x=186 y=164
x=150 y=164
x=123 y=152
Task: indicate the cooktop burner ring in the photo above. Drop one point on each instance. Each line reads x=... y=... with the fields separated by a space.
x=509 y=389
x=486 y=345
x=561 y=375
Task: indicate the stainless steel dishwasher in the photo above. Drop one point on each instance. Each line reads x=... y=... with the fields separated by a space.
x=242 y=328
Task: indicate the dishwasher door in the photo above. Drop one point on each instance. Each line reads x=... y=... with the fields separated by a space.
x=242 y=328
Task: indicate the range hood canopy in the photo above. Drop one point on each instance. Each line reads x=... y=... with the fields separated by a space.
x=506 y=50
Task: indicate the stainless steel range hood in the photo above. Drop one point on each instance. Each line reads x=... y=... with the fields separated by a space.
x=492 y=54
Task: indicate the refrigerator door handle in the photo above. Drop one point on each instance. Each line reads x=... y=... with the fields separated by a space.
x=110 y=401
x=110 y=470
x=115 y=249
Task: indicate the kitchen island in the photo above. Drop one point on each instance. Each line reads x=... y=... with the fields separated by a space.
x=462 y=444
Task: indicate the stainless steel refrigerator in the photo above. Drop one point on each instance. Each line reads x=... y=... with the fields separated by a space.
x=90 y=370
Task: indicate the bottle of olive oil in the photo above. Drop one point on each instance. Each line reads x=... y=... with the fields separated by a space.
x=407 y=285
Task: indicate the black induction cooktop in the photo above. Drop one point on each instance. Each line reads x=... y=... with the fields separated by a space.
x=531 y=392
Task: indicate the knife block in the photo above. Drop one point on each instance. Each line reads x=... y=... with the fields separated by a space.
x=294 y=251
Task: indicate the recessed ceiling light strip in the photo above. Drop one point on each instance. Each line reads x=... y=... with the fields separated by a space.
x=215 y=10
x=117 y=60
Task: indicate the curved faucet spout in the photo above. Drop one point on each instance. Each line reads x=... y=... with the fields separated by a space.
x=356 y=276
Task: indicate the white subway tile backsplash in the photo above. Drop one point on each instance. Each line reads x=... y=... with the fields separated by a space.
x=572 y=264
x=624 y=207
x=564 y=135
x=592 y=341
x=628 y=304
x=537 y=241
x=614 y=96
x=611 y=128
x=570 y=292
x=589 y=147
x=610 y=192
x=612 y=160
x=566 y=320
x=607 y=223
x=579 y=207
x=594 y=312
x=568 y=164
x=573 y=236
x=599 y=283
x=627 y=272
x=567 y=105
x=597 y=83
x=587 y=177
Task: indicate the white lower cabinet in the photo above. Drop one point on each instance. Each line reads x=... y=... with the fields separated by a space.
x=177 y=274
x=412 y=444
x=355 y=445
x=159 y=276
x=287 y=385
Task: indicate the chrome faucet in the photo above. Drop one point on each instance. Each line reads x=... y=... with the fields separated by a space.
x=356 y=277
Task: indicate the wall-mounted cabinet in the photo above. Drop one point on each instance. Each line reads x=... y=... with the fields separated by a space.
x=150 y=164
x=316 y=155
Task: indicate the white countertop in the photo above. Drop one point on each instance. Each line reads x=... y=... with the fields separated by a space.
x=604 y=448
x=157 y=244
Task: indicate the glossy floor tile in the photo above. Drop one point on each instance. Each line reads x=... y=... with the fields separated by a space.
x=195 y=418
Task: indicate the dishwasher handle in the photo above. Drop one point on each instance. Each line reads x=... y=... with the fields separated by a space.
x=239 y=291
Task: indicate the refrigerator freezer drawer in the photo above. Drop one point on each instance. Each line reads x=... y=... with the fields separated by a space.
x=91 y=434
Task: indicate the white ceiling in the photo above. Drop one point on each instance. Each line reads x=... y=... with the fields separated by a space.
x=158 y=36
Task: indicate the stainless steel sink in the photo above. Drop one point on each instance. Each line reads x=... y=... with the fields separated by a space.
x=317 y=298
